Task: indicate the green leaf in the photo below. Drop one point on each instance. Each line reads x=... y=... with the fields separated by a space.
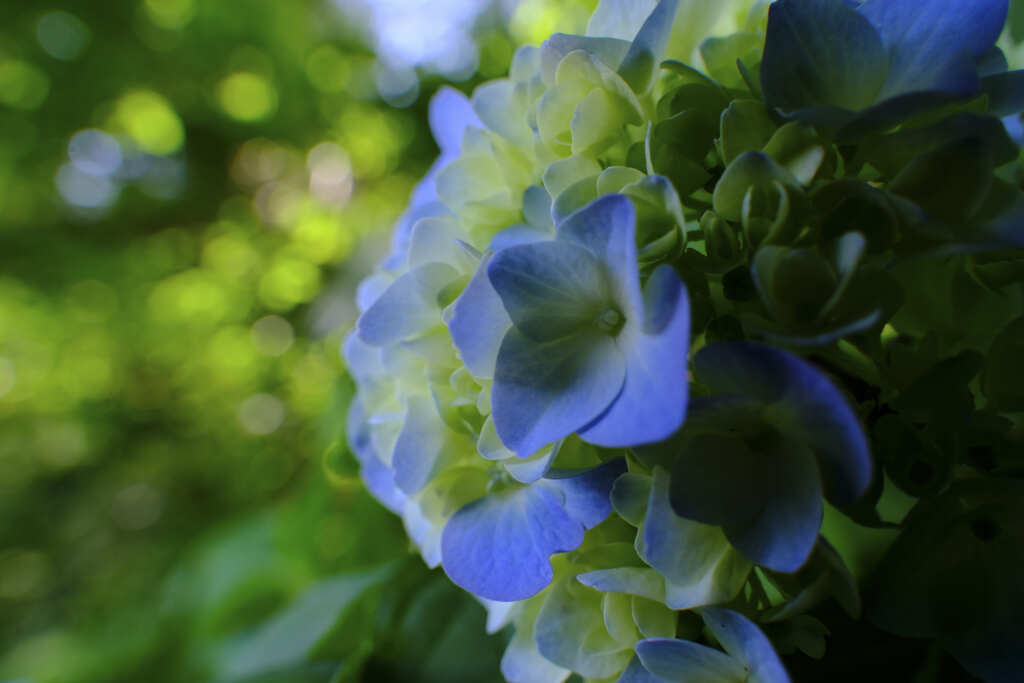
x=688 y=74
x=852 y=205
x=721 y=241
x=721 y=54
x=795 y=284
x=954 y=571
x=949 y=182
x=749 y=170
x=890 y=153
x=298 y=632
x=798 y=149
x=746 y=127
x=439 y=634
x=911 y=460
x=708 y=99
x=1003 y=376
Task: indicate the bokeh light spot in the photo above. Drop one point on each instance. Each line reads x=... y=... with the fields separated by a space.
x=95 y=152
x=230 y=255
x=150 y=120
x=170 y=14
x=136 y=507
x=8 y=378
x=85 y=190
x=261 y=414
x=534 y=20
x=260 y=161
x=398 y=86
x=289 y=281
x=24 y=574
x=246 y=96
x=320 y=238
x=22 y=85
x=272 y=335
x=189 y=297
x=62 y=35
x=330 y=173
x=61 y=445
x=328 y=69
x=92 y=300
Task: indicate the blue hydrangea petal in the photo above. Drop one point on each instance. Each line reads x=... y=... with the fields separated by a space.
x=537 y=208
x=783 y=534
x=636 y=673
x=721 y=413
x=696 y=559
x=640 y=64
x=887 y=113
x=379 y=479
x=498 y=547
x=530 y=469
x=478 y=323
x=821 y=53
x=619 y=18
x=1007 y=230
x=607 y=228
x=956 y=75
x=587 y=494
x=570 y=631
x=923 y=39
x=422 y=204
x=742 y=369
x=435 y=239
x=450 y=114
x=682 y=660
x=718 y=480
x=370 y=288
x=408 y=307
x=522 y=662
x=992 y=62
x=1005 y=94
x=652 y=404
x=609 y=51
x=550 y=289
x=362 y=361
x=742 y=639
x=514 y=235
x=503 y=106
x=641 y=581
x=817 y=410
x=422 y=445
x=545 y=391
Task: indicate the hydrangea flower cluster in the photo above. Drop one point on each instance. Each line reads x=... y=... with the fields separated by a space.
x=646 y=325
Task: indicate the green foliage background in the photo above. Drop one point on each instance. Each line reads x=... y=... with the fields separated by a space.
x=176 y=499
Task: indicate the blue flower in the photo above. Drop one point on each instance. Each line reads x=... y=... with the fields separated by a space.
x=837 y=63
x=497 y=547
x=749 y=655
x=582 y=347
x=451 y=115
x=757 y=457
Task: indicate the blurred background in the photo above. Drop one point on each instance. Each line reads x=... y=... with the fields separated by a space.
x=189 y=192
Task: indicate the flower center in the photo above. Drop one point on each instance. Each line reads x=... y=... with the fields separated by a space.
x=609 y=320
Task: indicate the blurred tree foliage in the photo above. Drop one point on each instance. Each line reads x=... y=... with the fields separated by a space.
x=189 y=191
